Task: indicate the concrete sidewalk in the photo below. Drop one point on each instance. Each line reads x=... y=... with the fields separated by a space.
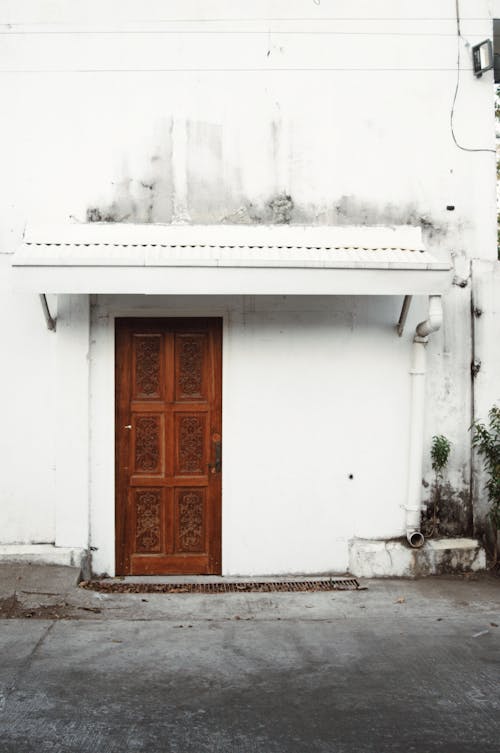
x=407 y=666
x=52 y=592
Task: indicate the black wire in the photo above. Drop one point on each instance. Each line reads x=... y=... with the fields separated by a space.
x=452 y=112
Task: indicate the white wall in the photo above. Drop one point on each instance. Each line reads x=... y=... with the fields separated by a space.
x=314 y=390
x=27 y=373
x=343 y=106
x=307 y=406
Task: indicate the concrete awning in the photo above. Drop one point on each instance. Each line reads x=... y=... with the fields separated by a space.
x=114 y=258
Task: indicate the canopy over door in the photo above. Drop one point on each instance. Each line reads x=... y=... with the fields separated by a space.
x=117 y=258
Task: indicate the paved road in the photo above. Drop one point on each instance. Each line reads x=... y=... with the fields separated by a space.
x=404 y=666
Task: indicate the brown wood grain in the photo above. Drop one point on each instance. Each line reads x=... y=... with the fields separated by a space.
x=168 y=491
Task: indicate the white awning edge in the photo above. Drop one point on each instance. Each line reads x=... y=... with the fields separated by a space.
x=227 y=259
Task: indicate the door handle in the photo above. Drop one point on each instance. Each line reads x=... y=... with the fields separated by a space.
x=217 y=465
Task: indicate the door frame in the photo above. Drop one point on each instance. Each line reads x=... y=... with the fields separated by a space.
x=102 y=491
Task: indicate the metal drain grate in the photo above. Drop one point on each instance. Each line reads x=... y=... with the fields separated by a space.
x=330 y=584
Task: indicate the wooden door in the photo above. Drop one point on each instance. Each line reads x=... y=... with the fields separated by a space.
x=168 y=446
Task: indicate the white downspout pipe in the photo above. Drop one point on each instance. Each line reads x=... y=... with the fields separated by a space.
x=417 y=406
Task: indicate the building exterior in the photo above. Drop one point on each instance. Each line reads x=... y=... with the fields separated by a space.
x=227 y=211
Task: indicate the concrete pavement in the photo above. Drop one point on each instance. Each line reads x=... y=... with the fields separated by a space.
x=408 y=666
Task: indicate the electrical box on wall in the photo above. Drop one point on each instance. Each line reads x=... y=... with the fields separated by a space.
x=482 y=57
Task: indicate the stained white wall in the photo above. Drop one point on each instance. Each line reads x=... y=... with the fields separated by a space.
x=156 y=117
x=149 y=115
x=486 y=279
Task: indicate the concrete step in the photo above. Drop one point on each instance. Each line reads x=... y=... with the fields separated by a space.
x=394 y=558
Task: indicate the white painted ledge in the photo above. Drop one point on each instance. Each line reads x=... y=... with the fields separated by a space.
x=41 y=554
x=396 y=559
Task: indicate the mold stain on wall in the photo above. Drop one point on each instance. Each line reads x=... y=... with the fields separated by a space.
x=145 y=197
x=214 y=193
x=453 y=512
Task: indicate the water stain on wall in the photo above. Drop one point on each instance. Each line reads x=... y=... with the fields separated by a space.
x=213 y=191
x=351 y=210
x=148 y=200
x=144 y=197
x=207 y=189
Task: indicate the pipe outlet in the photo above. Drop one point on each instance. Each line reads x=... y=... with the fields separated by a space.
x=415 y=539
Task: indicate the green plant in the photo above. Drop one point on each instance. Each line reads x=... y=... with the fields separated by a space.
x=440 y=453
x=486 y=440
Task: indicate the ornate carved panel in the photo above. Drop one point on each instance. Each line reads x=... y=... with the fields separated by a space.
x=148 y=520
x=147 y=444
x=191 y=443
x=147 y=365
x=190 y=366
x=190 y=519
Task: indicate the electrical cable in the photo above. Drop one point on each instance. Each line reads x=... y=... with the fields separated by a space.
x=452 y=112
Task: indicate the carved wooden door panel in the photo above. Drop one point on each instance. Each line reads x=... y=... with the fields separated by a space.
x=168 y=444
